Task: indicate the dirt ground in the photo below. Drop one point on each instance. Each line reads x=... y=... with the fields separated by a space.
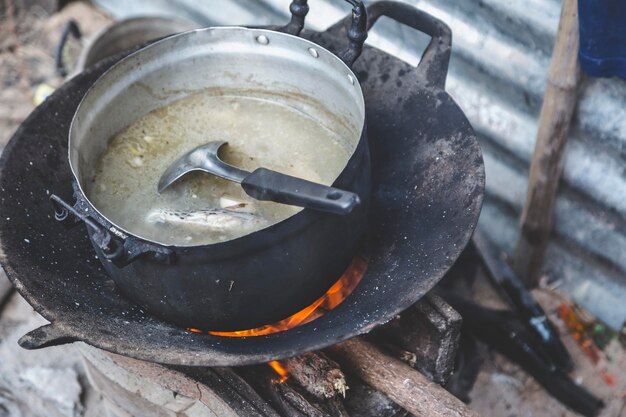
x=27 y=45
x=26 y=73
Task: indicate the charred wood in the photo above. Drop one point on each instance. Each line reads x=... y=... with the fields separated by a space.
x=502 y=331
x=317 y=374
x=364 y=401
x=514 y=292
x=404 y=385
x=287 y=396
x=430 y=331
x=268 y=385
x=297 y=400
x=469 y=360
x=230 y=387
x=405 y=356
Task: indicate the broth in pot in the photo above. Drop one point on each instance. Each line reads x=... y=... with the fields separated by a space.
x=201 y=208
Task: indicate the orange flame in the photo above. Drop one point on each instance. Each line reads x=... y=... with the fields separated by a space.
x=333 y=297
x=280 y=370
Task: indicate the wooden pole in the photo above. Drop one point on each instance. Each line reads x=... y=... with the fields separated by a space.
x=558 y=106
x=406 y=386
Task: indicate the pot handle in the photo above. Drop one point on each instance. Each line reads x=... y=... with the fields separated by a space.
x=299 y=10
x=71 y=28
x=434 y=63
x=357 y=33
x=120 y=250
x=110 y=247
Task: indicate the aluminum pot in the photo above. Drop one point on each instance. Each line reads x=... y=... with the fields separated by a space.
x=125 y=34
x=269 y=274
x=118 y=37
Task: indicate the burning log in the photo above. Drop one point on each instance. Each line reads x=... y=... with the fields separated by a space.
x=283 y=399
x=317 y=374
x=287 y=397
x=403 y=384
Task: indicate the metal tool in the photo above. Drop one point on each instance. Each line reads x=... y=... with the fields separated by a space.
x=261 y=184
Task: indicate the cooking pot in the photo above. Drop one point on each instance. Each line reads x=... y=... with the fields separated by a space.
x=266 y=275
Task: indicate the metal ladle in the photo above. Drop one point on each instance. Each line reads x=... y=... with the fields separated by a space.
x=261 y=184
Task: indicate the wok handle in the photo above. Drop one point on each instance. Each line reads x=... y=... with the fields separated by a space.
x=267 y=185
x=434 y=63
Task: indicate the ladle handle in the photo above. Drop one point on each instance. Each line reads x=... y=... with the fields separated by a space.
x=267 y=185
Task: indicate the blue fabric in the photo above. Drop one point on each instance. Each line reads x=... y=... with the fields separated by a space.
x=602 y=37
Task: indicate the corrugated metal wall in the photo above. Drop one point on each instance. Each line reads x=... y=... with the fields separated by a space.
x=501 y=52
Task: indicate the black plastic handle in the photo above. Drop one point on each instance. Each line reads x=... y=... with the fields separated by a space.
x=267 y=185
x=434 y=63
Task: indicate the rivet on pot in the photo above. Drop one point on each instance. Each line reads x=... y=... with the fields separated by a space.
x=351 y=79
x=314 y=52
x=262 y=39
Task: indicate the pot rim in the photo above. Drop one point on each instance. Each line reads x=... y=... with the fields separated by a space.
x=300 y=219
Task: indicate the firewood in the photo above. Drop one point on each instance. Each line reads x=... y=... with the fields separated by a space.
x=559 y=101
x=285 y=397
x=405 y=356
x=317 y=374
x=403 y=384
x=426 y=336
x=298 y=401
x=364 y=401
x=266 y=383
x=332 y=407
x=336 y=408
